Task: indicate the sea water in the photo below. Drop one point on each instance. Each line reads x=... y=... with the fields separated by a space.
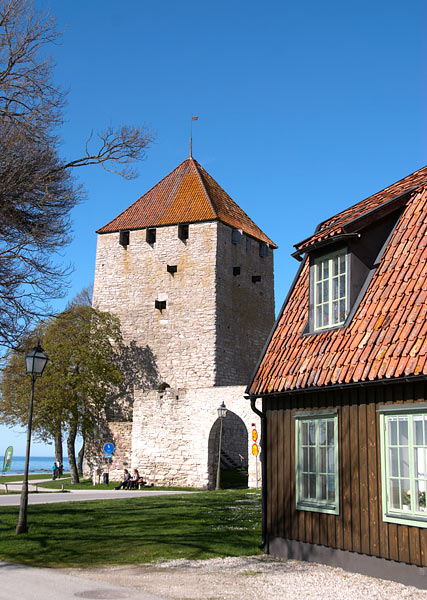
x=38 y=464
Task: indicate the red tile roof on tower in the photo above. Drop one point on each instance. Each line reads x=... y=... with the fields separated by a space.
x=187 y=195
x=387 y=336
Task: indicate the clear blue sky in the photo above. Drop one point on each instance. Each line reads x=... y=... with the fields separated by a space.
x=304 y=107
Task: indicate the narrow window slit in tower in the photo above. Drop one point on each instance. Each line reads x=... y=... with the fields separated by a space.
x=236 y=236
x=151 y=235
x=124 y=238
x=256 y=278
x=172 y=269
x=183 y=231
x=160 y=305
x=236 y=271
x=263 y=249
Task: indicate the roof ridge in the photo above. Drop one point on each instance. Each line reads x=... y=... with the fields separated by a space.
x=374 y=194
x=196 y=166
x=335 y=223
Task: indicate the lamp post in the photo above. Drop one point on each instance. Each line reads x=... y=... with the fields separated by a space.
x=35 y=363
x=222 y=411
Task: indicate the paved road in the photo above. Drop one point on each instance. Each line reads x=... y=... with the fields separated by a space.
x=28 y=583
x=79 y=495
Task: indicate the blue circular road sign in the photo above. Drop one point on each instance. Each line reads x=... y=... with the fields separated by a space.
x=109 y=448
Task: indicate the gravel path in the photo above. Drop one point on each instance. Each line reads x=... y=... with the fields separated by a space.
x=250 y=578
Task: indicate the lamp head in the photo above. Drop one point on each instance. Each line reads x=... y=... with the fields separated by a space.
x=36 y=361
x=222 y=411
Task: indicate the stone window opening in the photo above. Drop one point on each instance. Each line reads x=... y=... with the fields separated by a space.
x=263 y=249
x=256 y=278
x=236 y=236
x=151 y=235
x=124 y=238
x=172 y=269
x=248 y=244
x=236 y=271
x=160 y=305
x=183 y=231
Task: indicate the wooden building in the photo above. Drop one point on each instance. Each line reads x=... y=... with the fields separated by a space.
x=343 y=385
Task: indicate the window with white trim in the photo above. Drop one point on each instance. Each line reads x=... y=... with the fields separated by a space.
x=330 y=290
x=404 y=466
x=316 y=438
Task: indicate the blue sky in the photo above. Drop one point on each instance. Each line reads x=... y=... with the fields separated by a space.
x=304 y=108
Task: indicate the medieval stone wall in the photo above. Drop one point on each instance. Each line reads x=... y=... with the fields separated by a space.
x=245 y=308
x=128 y=281
x=175 y=434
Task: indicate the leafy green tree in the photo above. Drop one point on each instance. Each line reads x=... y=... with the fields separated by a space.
x=83 y=345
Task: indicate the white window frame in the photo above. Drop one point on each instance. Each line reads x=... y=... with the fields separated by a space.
x=409 y=512
x=326 y=284
x=316 y=504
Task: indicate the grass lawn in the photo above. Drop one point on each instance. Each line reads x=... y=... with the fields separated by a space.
x=135 y=530
x=86 y=484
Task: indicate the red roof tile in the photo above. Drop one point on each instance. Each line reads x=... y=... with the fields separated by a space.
x=187 y=195
x=336 y=225
x=387 y=336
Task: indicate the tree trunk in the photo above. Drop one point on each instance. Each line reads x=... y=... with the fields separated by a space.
x=80 y=458
x=71 y=441
x=59 y=457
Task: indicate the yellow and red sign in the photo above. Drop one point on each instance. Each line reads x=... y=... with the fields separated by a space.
x=255 y=449
x=254 y=435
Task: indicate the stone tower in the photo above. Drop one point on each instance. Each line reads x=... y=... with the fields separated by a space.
x=190 y=276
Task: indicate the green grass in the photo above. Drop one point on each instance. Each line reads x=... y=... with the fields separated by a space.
x=86 y=484
x=134 y=530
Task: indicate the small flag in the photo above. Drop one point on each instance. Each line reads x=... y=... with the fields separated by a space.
x=194 y=118
x=7 y=463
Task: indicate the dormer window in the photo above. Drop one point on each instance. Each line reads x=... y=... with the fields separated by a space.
x=183 y=231
x=151 y=235
x=330 y=277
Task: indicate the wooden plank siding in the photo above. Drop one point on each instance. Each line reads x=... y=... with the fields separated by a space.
x=359 y=526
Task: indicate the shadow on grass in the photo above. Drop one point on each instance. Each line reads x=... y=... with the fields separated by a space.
x=135 y=530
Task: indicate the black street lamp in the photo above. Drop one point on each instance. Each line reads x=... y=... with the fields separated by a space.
x=222 y=411
x=35 y=363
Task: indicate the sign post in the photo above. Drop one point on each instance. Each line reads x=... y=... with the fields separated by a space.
x=255 y=450
x=108 y=450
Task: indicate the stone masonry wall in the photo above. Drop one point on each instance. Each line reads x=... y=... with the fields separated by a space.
x=245 y=309
x=129 y=280
x=174 y=434
x=120 y=433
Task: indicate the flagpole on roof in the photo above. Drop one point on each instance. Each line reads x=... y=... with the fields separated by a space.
x=191 y=134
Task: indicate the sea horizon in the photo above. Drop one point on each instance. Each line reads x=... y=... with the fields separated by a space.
x=38 y=464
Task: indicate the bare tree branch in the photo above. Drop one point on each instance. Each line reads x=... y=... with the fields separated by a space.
x=37 y=190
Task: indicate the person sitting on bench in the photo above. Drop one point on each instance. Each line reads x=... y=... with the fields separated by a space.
x=126 y=478
x=133 y=482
